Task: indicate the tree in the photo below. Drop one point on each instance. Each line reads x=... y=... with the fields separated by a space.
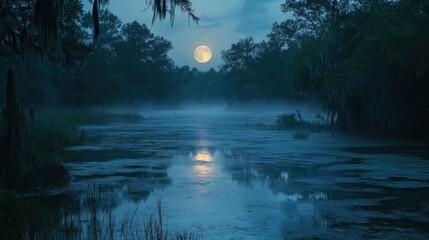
x=18 y=17
x=73 y=33
x=142 y=59
x=363 y=59
x=11 y=161
x=381 y=86
x=271 y=69
x=257 y=70
x=240 y=56
x=97 y=78
x=53 y=28
x=236 y=62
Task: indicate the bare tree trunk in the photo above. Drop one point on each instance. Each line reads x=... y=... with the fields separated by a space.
x=11 y=163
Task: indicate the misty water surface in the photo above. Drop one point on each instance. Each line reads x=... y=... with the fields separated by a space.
x=226 y=175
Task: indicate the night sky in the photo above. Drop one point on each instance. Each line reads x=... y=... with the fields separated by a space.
x=222 y=23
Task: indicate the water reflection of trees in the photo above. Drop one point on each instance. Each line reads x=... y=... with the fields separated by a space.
x=66 y=216
x=99 y=188
x=35 y=216
x=131 y=183
x=299 y=204
x=357 y=189
x=247 y=169
x=125 y=174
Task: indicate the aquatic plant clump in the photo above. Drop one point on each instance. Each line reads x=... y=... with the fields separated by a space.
x=301 y=135
x=287 y=120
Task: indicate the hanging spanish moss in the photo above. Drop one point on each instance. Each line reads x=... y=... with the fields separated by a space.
x=95 y=10
x=161 y=8
x=45 y=20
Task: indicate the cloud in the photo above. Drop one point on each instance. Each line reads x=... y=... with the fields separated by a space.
x=222 y=23
x=257 y=17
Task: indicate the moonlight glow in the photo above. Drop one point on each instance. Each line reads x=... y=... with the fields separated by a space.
x=202 y=54
x=204 y=156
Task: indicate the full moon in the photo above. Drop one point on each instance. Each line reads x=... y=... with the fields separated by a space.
x=202 y=54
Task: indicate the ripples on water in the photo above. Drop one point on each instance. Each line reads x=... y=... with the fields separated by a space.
x=221 y=178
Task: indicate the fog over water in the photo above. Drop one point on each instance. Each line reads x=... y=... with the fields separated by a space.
x=233 y=174
x=309 y=120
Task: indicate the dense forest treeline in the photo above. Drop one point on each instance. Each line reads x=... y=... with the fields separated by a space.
x=46 y=48
x=366 y=61
x=126 y=64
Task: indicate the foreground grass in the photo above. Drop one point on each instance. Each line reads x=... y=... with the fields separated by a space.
x=48 y=133
x=28 y=216
x=90 y=218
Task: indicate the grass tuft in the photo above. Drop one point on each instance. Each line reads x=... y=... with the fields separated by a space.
x=46 y=136
x=300 y=135
x=287 y=120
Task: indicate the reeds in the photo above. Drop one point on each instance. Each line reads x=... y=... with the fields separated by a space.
x=48 y=133
x=96 y=221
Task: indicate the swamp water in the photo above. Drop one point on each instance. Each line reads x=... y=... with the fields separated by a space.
x=229 y=176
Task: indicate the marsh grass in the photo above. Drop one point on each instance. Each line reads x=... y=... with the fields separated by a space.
x=46 y=135
x=287 y=120
x=91 y=217
x=294 y=121
x=54 y=130
x=26 y=217
x=96 y=221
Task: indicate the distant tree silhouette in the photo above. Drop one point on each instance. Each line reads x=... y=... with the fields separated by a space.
x=50 y=28
x=38 y=25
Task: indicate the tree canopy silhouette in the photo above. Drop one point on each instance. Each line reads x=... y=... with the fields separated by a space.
x=38 y=25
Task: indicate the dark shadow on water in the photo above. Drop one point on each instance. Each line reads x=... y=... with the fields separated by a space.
x=320 y=188
x=407 y=150
x=102 y=155
x=320 y=195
